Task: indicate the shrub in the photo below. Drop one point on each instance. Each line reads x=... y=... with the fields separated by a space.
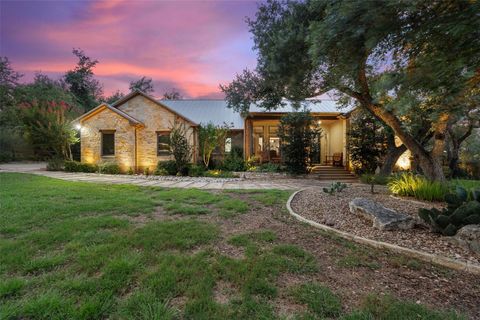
x=459 y=212
x=268 y=167
x=6 y=156
x=130 y=171
x=109 y=168
x=165 y=168
x=234 y=161
x=180 y=148
x=335 y=187
x=75 y=166
x=55 y=164
x=410 y=185
x=196 y=170
x=219 y=174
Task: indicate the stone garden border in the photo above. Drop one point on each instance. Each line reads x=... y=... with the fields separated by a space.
x=421 y=255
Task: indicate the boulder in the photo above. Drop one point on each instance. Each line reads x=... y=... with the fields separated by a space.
x=382 y=218
x=469 y=237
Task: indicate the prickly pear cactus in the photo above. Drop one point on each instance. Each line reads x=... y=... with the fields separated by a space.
x=462 y=209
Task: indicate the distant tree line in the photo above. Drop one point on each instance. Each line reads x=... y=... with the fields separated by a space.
x=35 y=117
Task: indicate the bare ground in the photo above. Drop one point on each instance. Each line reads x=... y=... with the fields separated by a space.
x=352 y=271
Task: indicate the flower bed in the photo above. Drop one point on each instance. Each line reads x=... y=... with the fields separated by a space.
x=333 y=210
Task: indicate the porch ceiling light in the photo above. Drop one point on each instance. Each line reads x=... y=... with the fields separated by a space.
x=319 y=121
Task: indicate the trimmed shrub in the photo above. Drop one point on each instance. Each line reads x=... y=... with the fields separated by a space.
x=109 y=168
x=169 y=167
x=410 y=185
x=55 y=164
x=75 y=166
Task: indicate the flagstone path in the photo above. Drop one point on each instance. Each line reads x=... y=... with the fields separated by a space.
x=182 y=182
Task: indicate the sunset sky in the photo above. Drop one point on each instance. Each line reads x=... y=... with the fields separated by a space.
x=192 y=46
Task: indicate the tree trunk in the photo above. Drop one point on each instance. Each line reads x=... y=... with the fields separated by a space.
x=431 y=168
x=391 y=158
x=453 y=156
x=429 y=163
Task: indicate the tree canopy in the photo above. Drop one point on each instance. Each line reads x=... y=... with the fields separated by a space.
x=81 y=81
x=394 y=59
x=173 y=94
x=143 y=84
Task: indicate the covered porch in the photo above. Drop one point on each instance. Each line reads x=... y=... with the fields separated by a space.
x=263 y=143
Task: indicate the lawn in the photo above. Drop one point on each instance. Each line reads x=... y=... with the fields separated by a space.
x=73 y=250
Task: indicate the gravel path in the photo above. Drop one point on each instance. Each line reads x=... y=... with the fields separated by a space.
x=333 y=210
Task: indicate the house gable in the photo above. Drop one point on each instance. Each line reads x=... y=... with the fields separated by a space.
x=139 y=98
x=106 y=107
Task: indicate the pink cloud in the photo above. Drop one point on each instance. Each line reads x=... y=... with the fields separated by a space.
x=191 y=44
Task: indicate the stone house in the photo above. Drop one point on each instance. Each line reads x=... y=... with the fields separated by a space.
x=134 y=131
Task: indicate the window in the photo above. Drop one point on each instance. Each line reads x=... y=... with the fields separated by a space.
x=258 y=136
x=108 y=143
x=273 y=143
x=228 y=145
x=163 y=143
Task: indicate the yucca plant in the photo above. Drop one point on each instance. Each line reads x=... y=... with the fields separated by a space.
x=410 y=185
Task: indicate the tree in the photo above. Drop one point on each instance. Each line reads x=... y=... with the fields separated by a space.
x=211 y=137
x=143 y=84
x=117 y=95
x=376 y=52
x=9 y=80
x=81 y=82
x=367 y=142
x=299 y=135
x=461 y=127
x=45 y=111
x=179 y=147
x=172 y=95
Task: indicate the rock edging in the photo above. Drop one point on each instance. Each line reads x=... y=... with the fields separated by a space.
x=424 y=256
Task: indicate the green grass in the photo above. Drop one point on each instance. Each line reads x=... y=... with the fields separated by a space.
x=320 y=301
x=71 y=250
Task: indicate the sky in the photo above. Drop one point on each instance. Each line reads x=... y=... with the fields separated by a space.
x=192 y=46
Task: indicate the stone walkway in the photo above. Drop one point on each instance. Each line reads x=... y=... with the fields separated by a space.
x=181 y=182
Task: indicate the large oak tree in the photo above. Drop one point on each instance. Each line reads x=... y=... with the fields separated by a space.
x=395 y=59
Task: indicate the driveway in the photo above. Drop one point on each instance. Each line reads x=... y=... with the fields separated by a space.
x=38 y=168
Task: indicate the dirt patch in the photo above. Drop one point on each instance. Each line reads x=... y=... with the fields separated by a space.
x=333 y=210
x=224 y=292
x=369 y=271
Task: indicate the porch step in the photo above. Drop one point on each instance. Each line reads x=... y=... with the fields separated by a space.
x=332 y=173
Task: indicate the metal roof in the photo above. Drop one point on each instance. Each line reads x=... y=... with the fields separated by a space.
x=314 y=105
x=205 y=111
x=217 y=112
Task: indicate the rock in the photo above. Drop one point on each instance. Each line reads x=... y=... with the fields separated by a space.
x=469 y=237
x=382 y=218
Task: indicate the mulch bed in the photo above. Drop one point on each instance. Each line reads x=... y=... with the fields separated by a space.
x=333 y=210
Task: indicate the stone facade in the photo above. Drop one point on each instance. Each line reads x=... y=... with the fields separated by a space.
x=155 y=118
x=135 y=146
x=91 y=139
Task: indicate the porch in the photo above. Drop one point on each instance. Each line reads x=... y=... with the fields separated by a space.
x=262 y=140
